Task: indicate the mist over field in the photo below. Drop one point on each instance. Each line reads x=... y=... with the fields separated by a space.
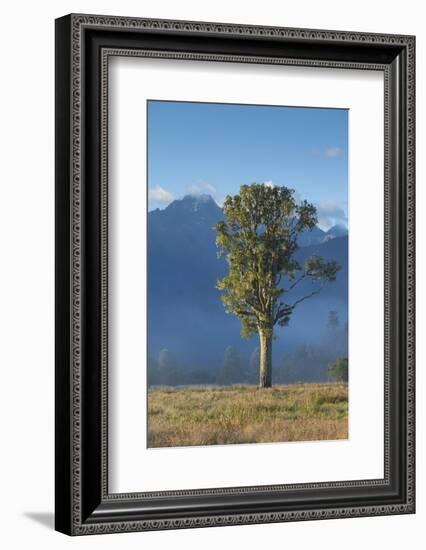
x=191 y=338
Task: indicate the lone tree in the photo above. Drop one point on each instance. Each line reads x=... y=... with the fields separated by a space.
x=259 y=237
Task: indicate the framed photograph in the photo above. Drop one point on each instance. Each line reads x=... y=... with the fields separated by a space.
x=234 y=274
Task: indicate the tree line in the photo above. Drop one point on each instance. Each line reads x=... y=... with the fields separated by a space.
x=320 y=362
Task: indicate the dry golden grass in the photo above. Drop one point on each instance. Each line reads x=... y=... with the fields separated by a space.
x=244 y=414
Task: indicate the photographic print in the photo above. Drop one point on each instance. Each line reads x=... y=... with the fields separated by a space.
x=208 y=180
x=247 y=262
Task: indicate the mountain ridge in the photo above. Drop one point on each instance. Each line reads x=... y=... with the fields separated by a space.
x=185 y=312
x=205 y=207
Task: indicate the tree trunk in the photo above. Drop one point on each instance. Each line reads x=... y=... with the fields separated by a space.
x=265 y=373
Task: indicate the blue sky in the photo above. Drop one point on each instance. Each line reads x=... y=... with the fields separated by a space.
x=196 y=148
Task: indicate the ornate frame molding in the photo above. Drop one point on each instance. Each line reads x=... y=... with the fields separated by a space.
x=71 y=44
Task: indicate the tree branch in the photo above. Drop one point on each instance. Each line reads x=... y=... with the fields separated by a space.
x=256 y=308
x=303 y=276
x=313 y=293
x=244 y=313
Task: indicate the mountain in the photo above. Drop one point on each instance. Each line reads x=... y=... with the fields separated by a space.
x=192 y=210
x=336 y=231
x=315 y=236
x=185 y=313
x=182 y=254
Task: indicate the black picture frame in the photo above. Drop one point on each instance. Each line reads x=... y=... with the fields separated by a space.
x=83 y=504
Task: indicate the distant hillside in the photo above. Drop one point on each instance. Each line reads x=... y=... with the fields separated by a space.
x=185 y=313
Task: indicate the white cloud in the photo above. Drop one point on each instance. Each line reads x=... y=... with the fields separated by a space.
x=210 y=188
x=202 y=187
x=332 y=152
x=268 y=184
x=330 y=213
x=194 y=190
x=160 y=195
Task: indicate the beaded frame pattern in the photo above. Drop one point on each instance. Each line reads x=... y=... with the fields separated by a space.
x=79 y=22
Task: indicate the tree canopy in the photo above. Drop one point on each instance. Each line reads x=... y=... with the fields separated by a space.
x=259 y=237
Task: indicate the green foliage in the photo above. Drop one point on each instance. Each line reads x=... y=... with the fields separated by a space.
x=259 y=239
x=338 y=371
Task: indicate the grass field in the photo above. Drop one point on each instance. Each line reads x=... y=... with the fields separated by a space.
x=243 y=414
